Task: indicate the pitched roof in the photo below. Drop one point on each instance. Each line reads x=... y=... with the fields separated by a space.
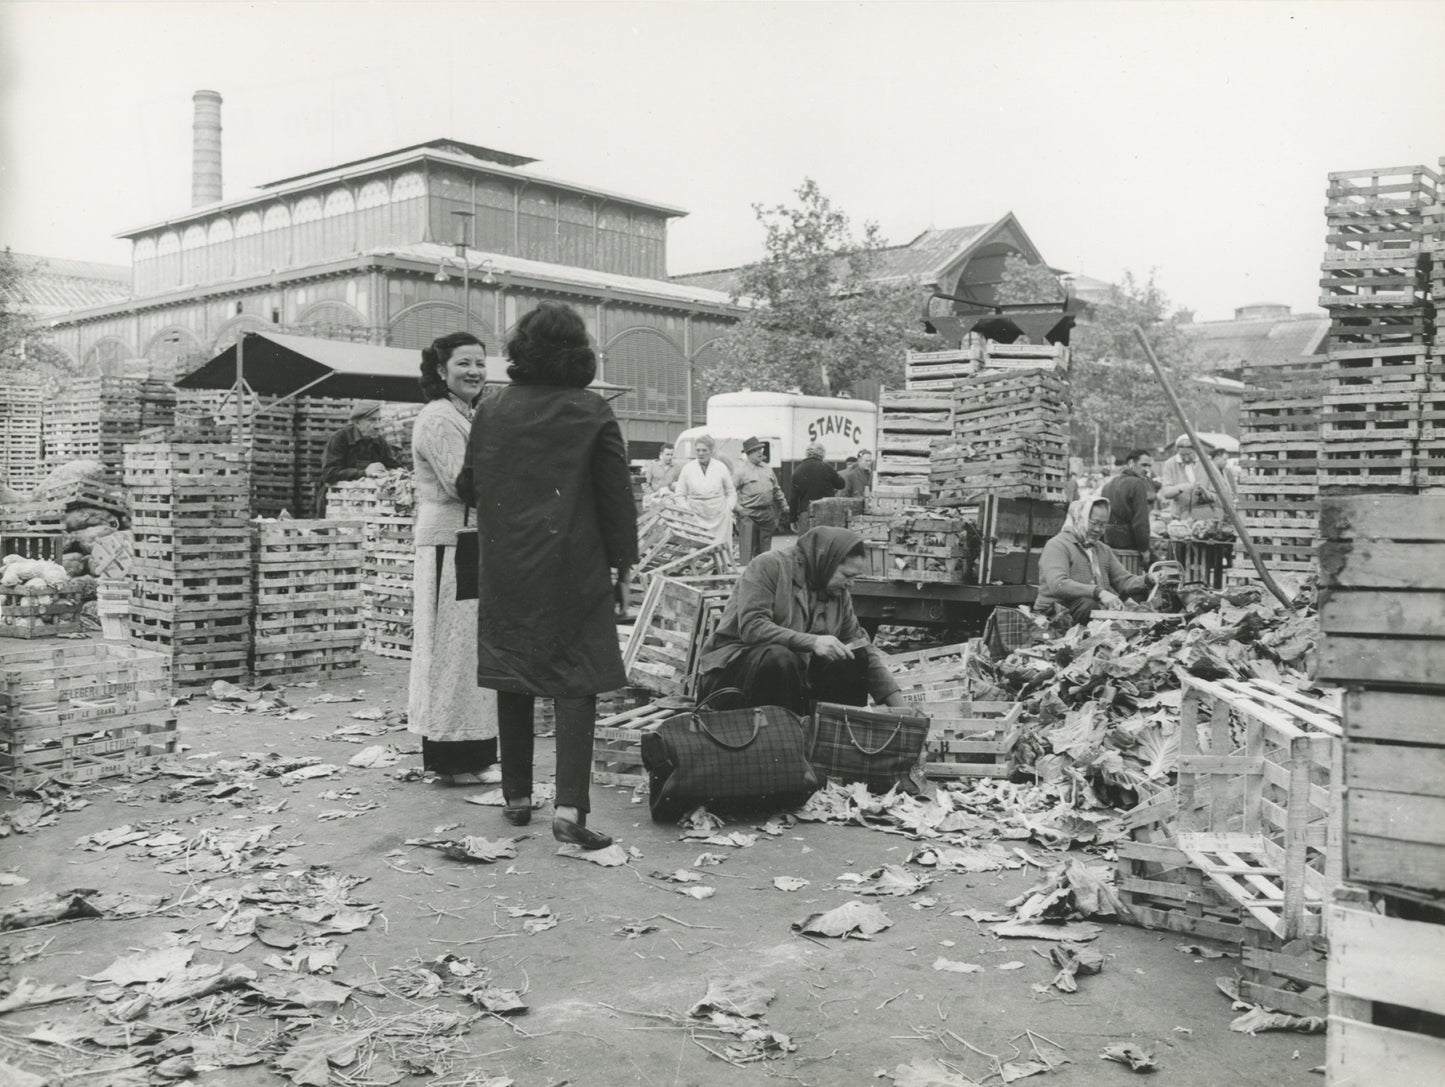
x=927 y=257
x=1251 y=342
x=50 y=285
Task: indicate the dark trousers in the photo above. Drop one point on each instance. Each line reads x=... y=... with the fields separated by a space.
x=754 y=538
x=575 y=720
x=773 y=675
x=1080 y=610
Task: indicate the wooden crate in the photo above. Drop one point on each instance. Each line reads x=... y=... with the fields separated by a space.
x=32 y=545
x=1387 y=997
x=912 y=566
x=123 y=746
x=172 y=589
x=937 y=674
x=971 y=739
x=283 y=664
x=24 y=614
x=661 y=651
x=1394 y=804
x=617 y=741
x=1289 y=978
x=1259 y=805
x=1382 y=576
x=1162 y=889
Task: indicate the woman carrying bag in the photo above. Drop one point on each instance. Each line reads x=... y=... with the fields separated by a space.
x=458 y=728
x=558 y=538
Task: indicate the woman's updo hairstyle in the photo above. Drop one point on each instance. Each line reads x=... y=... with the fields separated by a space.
x=549 y=346
x=434 y=361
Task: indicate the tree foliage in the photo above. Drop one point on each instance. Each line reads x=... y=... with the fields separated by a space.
x=1118 y=402
x=819 y=321
x=24 y=342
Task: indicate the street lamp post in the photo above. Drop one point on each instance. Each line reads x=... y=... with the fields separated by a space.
x=461 y=238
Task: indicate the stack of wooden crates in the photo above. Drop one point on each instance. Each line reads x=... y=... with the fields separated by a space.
x=21 y=422
x=385 y=507
x=1375 y=280
x=268 y=435
x=191 y=571
x=308 y=613
x=1382 y=614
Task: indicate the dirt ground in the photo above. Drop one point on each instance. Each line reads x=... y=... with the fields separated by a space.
x=854 y=1009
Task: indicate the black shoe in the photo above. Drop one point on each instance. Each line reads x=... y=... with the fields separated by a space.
x=518 y=813
x=564 y=830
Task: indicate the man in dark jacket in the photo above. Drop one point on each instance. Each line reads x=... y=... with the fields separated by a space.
x=1129 y=494
x=815 y=478
x=859 y=476
x=355 y=450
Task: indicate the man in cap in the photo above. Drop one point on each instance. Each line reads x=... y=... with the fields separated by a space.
x=760 y=502
x=1130 y=496
x=1184 y=483
x=356 y=450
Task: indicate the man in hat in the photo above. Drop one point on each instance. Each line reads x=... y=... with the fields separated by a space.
x=1184 y=483
x=760 y=502
x=356 y=450
x=813 y=479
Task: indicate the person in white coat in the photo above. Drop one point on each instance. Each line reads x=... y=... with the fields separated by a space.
x=707 y=485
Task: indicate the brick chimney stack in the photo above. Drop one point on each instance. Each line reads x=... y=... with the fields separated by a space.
x=206 y=149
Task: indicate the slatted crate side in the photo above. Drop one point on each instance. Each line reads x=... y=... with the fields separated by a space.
x=45 y=685
x=971 y=739
x=617 y=742
x=291 y=664
x=1387 y=998
x=182 y=591
x=121 y=748
x=27 y=615
x=932 y=674
x=1161 y=889
x=1259 y=783
x=1289 y=978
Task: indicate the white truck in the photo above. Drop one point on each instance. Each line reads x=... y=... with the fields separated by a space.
x=788 y=423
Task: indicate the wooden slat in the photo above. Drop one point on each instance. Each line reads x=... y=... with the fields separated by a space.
x=1394 y=715
x=1386 y=958
x=1396 y=768
x=1346 y=659
x=1362 y=1053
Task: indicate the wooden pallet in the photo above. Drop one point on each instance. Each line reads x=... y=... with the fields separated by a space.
x=971 y=739
x=617 y=741
x=1386 y=997
x=1259 y=784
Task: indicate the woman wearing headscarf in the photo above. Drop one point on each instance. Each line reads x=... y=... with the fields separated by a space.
x=707 y=485
x=557 y=530
x=788 y=635
x=1078 y=571
x=458 y=728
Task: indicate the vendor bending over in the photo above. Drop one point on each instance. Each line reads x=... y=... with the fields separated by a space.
x=1078 y=571
x=788 y=635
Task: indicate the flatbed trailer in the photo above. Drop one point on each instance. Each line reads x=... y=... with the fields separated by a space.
x=933 y=603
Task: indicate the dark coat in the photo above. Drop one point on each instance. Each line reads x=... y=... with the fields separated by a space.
x=347 y=456
x=813 y=479
x=548 y=470
x=1129 y=496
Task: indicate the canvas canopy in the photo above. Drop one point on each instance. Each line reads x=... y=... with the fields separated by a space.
x=274 y=364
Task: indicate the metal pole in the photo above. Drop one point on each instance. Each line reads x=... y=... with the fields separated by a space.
x=240 y=386
x=467 y=293
x=1212 y=473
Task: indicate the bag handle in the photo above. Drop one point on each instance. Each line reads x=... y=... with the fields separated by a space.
x=897 y=728
x=701 y=726
x=721 y=690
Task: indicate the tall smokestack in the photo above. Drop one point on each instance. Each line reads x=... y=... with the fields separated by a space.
x=206 y=149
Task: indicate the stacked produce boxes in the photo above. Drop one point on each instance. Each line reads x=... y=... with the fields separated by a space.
x=386 y=507
x=191 y=568
x=21 y=420
x=308 y=614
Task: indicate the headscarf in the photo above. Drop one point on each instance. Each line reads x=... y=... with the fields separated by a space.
x=823 y=550
x=1077 y=526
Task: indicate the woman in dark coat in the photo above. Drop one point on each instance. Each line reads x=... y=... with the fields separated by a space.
x=548 y=468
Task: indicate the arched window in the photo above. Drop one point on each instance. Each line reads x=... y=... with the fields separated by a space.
x=219 y=247
x=408 y=209
x=416 y=326
x=168 y=260
x=248 y=244
x=276 y=238
x=174 y=352
x=306 y=231
x=373 y=215
x=193 y=255
x=655 y=369
x=339 y=223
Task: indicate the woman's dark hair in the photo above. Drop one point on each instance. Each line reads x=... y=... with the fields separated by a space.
x=434 y=362
x=549 y=346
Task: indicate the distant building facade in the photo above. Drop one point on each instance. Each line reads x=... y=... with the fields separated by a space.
x=364 y=250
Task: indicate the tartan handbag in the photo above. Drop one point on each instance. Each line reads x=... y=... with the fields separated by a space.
x=743 y=758
x=880 y=747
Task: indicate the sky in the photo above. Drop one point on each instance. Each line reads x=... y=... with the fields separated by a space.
x=1190 y=140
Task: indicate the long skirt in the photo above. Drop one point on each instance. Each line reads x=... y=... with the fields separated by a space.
x=456 y=718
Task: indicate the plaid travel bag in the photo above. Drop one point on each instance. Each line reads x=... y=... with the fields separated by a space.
x=743 y=758
x=879 y=746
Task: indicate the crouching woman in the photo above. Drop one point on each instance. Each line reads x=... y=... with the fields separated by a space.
x=788 y=635
x=1078 y=572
